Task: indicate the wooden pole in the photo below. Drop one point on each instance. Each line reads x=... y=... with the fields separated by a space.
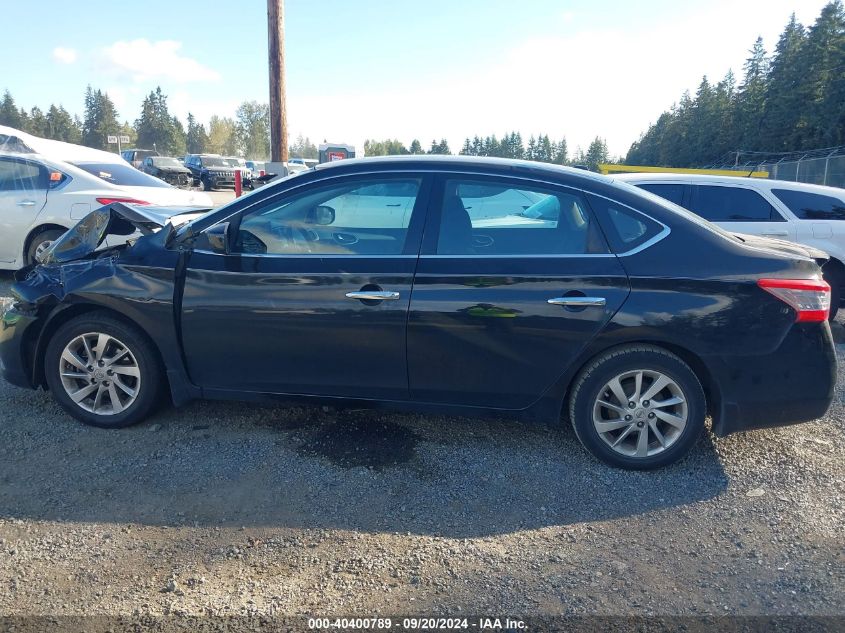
x=276 y=64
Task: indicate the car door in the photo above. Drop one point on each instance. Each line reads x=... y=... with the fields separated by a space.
x=311 y=295
x=740 y=209
x=23 y=194
x=505 y=297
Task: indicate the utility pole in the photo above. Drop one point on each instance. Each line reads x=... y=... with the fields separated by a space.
x=276 y=64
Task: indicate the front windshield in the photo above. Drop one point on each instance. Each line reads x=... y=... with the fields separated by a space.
x=166 y=162
x=233 y=162
x=215 y=162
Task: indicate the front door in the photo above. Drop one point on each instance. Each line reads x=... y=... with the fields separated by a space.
x=312 y=296
x=514 y=284
x=23 y=193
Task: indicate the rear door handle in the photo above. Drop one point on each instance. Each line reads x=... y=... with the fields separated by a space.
x=373 y=295
x=578 y=302
x=26 y=203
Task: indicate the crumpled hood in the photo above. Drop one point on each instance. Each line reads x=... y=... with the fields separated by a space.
x=783 y=246
x=173 y=169
x=114 y=219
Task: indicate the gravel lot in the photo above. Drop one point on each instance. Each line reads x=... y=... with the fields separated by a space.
x=237 y=509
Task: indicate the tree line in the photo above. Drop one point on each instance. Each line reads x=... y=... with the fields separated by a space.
x=791 y=100
x=247 y=134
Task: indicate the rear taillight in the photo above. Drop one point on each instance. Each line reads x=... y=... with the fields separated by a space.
x=810 y=298
x=123 y=200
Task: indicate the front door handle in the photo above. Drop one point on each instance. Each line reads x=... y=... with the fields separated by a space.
x=373 y=295
x=578 y=302
x=26 y=203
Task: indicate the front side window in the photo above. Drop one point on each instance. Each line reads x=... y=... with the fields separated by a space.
x=364 y=217
x=21 y=176
x=811 y=206
x=732 y=204
x=485 y=217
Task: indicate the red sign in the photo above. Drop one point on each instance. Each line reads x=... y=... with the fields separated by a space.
x=336 y=156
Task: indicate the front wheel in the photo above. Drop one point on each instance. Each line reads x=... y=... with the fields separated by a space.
x=102 y=371
x=638 y=407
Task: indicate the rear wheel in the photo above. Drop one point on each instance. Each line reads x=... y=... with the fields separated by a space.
x=638 y=407
x=40 y=242
x=206 y=184
x=102 y=371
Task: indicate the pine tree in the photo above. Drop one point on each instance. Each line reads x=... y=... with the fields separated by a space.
x=751 y=99
x=157 y=129
x=195 y=138
x=783 y=100
x=100 y=119
x=416 y=147
x=596 y=154
x=9 y=113
x=62 y=127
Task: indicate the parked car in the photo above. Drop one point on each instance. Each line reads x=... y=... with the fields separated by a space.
x=256 y=167
x=798 y=212
x=210 y=171
x=41 y=197
x=170 y=170
x=374 y=283
x=135 y=157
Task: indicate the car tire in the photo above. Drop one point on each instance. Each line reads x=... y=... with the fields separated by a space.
x=643 y=436
x=113 y=387
x=39 y=242
x=206 y=185
x=833 y=275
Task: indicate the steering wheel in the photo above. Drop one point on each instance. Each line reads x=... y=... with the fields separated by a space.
x=297 y=238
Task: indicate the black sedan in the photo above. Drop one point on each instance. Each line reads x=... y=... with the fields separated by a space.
x=439 y=284
x=170 y=170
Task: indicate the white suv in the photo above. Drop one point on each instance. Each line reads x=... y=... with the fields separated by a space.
x=812 y=215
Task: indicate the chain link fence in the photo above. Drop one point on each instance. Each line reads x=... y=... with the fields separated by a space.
x=826 y=170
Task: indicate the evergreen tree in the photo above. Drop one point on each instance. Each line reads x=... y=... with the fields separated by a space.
x=100 y=120
x=783 y=100
x=596 y=154
x=62 y=127
x=157 y=129
x=303 y=148
x=9 y=113
x=416 y=147
x=751 y=99
x=196 y=137
x=38 y=124
x=440 y=148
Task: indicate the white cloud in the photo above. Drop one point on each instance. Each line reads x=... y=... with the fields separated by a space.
x=64 y=55
x=142 y=60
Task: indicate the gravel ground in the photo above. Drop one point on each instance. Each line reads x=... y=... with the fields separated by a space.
x=236 y=509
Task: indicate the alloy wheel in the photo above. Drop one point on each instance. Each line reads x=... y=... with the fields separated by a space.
x=640 y=413
x=100 y=374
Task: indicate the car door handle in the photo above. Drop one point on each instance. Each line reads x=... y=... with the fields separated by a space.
x=577 y=302
x=373 y=295
x=26 y=203
x=776 y=234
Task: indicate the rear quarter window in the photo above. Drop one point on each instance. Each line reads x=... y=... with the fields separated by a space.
x=732 y=204
x=673 y=192
x=811 y=206
x=625 y=228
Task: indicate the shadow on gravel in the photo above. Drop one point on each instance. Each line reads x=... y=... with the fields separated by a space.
x=232 y=465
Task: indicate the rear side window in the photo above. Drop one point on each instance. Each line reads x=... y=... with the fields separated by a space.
x=493 y=218
x=732 y=204
x=21 y=176
x=123 y=175
x=811 y=206
x=673 y=192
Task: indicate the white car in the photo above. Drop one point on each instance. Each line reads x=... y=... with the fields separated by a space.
x=46 y=187
x=813 y=215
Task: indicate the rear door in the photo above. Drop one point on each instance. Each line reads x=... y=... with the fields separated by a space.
x=740 y=209
x=514 y=280
x=23 y=194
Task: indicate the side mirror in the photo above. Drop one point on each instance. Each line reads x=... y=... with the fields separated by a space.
x=218 y=238
x=321 y=215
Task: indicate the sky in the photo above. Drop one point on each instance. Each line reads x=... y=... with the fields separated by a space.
x=394 y=68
